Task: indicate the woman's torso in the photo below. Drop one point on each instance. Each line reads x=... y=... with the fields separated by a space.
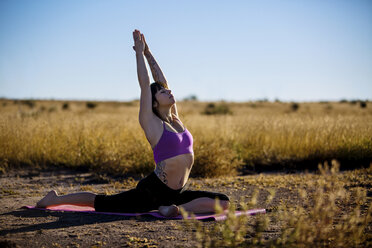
x=174 y=171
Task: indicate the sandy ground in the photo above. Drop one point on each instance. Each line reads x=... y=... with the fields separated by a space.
x=34 y=228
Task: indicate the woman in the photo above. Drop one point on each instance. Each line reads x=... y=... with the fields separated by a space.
x=172 y=144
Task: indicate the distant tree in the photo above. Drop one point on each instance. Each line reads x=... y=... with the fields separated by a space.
x=191 y=98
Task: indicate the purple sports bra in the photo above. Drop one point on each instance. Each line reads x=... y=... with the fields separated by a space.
x=172 y=144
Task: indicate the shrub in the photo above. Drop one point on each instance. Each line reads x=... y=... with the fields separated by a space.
x=65 y=106
x=29 y=103
x=328 y=107
x=322 y=222
x=91 y=105
x=363 y=104
x=328 y=216
x=214 y=159
x=294 y=106
x=52 y=109
x=213 y=109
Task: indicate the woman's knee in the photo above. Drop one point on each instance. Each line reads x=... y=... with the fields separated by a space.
x=225 y=204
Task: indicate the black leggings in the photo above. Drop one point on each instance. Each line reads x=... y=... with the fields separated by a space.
x=150 y=194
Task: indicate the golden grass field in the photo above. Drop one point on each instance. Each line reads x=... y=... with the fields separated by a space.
x=324 y=208
x=255 y=136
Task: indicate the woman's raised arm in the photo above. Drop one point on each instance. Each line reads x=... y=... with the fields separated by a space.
x=143 y=79
x=157 y=73
x=139 y=47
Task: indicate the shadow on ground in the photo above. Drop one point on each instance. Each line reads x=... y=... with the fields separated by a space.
x=65 y=219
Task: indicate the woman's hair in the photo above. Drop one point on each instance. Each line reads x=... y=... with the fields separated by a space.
x=155 y=87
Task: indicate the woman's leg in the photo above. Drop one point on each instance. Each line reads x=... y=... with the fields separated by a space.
x=203 y=205
x=196 y=206
x=80 y=199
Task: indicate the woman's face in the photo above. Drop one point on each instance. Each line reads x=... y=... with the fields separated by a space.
x=165 y=97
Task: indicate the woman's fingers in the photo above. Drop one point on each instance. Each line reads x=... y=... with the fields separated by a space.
x=136 y=35
x=139 y=41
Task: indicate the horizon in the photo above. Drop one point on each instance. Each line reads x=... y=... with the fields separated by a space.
x=187 y=100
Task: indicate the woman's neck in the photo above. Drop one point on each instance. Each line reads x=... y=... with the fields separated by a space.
x=166 y=114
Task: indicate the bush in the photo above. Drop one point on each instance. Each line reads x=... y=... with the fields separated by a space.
x=214 y=159
x=65 y=106
x=91 y=105
x=322 y=222
x=363 y=104
x=29 y=103
x=295 y=106
x=52 y=109
x=328 y=216
x=213 y=109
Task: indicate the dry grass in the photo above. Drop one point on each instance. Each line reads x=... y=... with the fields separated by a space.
x=334 y=211
x=107 y=138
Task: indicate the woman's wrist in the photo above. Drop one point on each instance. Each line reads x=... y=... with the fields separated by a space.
x=139 y=52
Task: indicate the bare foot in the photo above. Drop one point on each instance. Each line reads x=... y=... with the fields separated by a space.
x=169 y=211
x=47 y=200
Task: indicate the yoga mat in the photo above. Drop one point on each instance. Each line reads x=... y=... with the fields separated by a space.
x=217 y=217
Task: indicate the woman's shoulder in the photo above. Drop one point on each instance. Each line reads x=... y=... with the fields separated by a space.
x=153 y=129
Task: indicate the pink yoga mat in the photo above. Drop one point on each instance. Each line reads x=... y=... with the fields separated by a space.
x=217 y=217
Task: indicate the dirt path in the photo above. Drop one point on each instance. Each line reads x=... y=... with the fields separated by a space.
x=34 y=228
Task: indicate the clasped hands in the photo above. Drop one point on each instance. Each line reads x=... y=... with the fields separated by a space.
x=140 y=44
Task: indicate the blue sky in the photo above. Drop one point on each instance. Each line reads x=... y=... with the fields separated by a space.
x=292 y=50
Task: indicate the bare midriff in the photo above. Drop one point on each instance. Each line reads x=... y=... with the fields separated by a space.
x=175 y=171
